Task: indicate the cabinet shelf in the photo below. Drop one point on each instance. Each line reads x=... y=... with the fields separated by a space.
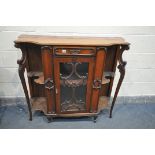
x=39 y=79
x=105 y=81
x=105 y=77
x=103 y=102
x=34 y=74
x=40 y=103
x=109 y=74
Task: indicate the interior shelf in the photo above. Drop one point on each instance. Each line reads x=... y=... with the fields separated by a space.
x=105 y=77
x=103 y=102
x=40 y=79
x=109 y=74
x=105 y=81
x=39 y=104
x=34 y=74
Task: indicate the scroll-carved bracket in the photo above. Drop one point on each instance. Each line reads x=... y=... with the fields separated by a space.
x=122 y=63
x=22 y=64
x=49 y=84
x=97 y=84
x=121 y=68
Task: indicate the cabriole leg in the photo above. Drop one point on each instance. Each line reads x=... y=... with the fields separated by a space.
x=121 y=68
x=21 y=70
x=95 y=119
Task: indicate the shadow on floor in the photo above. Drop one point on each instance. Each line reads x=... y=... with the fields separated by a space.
x=125 y=116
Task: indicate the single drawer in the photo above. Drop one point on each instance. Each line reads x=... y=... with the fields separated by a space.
x=83 y=51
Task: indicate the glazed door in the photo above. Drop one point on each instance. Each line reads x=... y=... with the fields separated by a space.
x=73 y=84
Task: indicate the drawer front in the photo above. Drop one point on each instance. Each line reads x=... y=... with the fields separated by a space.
x=80 y=51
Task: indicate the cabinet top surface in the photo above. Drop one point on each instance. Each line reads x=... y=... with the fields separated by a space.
x=66 y=40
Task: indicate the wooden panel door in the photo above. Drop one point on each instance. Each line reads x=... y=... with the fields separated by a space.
x=73 y=84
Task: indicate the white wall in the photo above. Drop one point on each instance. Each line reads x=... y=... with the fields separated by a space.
x=139 y=79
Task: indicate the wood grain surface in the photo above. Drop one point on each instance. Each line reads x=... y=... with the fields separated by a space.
x=64 y=40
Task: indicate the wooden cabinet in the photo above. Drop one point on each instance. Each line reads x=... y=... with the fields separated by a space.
x=70 y=76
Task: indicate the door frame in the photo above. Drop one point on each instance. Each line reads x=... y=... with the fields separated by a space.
x=57 y=61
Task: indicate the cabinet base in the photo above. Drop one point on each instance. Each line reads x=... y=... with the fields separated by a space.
x=40 y=104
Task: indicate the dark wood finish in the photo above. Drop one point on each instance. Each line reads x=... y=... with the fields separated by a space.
x=99 y=66
x=48 y=74
x=121 y=68
x=41 y=57
x=21 y=70
x=72 y=51
x=32 y=66
x=111 y=59
x=39 y=103
x=63 y=40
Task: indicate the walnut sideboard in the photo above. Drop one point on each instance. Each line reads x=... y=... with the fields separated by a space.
x=70 y=76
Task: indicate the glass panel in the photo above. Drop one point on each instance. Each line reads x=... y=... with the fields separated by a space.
x=73 y=80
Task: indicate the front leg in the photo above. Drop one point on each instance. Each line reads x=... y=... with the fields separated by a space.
x=121 y=68
x=49 y=119
x=95 y=118
x=21 y=70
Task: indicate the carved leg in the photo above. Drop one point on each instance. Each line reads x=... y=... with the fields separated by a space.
x=95 y=119
x=49 y=119
x=121 y=68
x=21 y=75
x=21 y=70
